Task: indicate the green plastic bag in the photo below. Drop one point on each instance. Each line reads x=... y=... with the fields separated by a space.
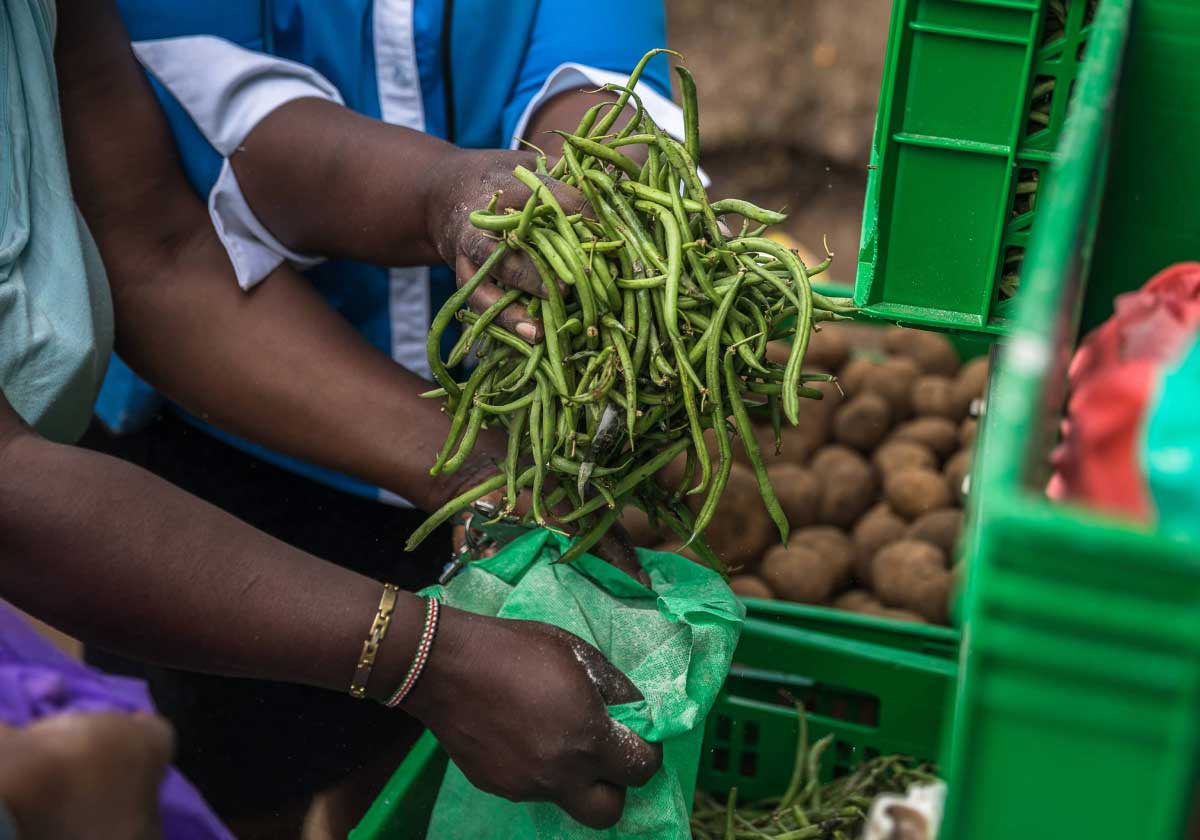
x=674 y=642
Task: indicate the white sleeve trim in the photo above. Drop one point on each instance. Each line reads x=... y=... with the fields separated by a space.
x=571 y=76
x=227 y=90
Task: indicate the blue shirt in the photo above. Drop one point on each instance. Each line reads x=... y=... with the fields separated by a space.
x=500 y=56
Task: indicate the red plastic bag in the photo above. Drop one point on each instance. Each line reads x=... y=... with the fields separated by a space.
x=1112 y=382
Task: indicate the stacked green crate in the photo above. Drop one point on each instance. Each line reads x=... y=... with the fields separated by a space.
x=974 y=97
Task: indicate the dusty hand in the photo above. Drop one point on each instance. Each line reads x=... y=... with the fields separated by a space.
x=521 y=707
x=86 y=776
x=466 y=182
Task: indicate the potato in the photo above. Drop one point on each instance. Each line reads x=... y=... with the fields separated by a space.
x=741 y=529
x=915 y=491
x=955 y=471
x=863 y=421
x=854 y=599
x=878 y=527
x=641 y=532
x=835 y=457
x=893 y=380
x=799 y=493
x=932 y=396
x=933 y=352
x=828 y=349
x=967 y=432
x=970 y=384
x=830 y=543
x=940 y=527
x=750 y=586
x=798 y=574
x=901 y=454
x=848 y=484
x=938 y=433
x=853 y=375
x=912 y=575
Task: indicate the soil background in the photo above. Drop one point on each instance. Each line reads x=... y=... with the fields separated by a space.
x=788 y=93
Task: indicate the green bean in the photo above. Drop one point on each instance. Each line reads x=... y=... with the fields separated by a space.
x=750 y=443
x=602 y=152
x=505 y=408
x=446 y=313
x=691 y=112
x=486 y=317
x=628 y=374
x=661 y=197
x=513 y=455
x=751 y=211
x=603 y=126
x=539 y=458
x=463 y=411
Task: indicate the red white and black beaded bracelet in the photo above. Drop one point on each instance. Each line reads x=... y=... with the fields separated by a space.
x=432 y=610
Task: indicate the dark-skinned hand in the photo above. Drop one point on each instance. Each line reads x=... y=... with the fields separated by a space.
x=521 y=707
x=466 y=181
x=86 y=776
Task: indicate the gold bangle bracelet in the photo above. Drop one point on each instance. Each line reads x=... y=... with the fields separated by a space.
x=366 y=661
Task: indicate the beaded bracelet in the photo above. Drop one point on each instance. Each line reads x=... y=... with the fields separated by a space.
x=432 y=609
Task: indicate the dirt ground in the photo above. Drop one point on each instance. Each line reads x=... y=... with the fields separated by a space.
x=788 y=92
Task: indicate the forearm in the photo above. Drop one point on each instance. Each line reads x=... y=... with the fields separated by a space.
x=279 y=367
x=325 y=180
x=119 y=558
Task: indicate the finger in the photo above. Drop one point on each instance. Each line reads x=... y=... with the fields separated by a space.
x=569 y=199
x=614 y=687
x=628 y=760
x=599 y=805
x=515 y=270
x=515 y=318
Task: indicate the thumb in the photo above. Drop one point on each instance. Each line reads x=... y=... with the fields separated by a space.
x=614 y=687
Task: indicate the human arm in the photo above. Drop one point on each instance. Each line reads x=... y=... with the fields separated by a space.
x=119 y=558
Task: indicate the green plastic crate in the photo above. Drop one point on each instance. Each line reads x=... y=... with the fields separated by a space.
x=1077 y=710
x=945 y=217
x=880 y=686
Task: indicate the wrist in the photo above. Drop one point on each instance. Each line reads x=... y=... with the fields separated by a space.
x=437 y=201
x=445 y=670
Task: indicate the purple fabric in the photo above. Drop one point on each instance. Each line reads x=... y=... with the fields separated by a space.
x=37 y=680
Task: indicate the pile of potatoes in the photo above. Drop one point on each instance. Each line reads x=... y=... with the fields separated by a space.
x=872 y=481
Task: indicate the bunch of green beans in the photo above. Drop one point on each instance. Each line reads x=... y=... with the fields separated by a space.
x=656 y=327
x=808 y=810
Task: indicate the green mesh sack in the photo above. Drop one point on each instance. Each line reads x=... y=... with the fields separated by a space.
x=675 y=643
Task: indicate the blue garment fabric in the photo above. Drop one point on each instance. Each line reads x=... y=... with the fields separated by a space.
x=501 y=54
x=38 y=681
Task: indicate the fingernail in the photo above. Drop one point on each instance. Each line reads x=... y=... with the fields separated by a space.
x=528 y=332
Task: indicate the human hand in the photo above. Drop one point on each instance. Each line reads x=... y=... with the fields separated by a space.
x=466 y=181
x=86 y=776
x=521 y=707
